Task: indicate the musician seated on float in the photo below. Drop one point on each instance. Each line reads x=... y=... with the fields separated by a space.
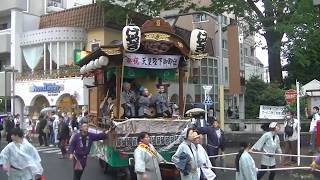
x=160 y=100
x=144 y=104
x=128 y=99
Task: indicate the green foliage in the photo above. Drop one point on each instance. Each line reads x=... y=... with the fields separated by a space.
x=260 y=93
x=272 y=19
x=118 y=10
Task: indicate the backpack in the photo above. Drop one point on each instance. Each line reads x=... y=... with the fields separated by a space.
x=289 y=129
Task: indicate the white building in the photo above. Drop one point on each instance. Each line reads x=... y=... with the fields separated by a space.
x=254 y=67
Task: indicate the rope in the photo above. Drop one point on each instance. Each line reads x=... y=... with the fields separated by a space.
x=288 y=155
x=274 y=169
x=222 y=155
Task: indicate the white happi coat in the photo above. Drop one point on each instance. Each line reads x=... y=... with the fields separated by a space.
x=247 y=168
x=268 y=145
x=184 y=147
x=205 y=164
x=146 y=162
x=24 y=158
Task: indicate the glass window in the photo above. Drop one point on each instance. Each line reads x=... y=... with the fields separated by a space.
x=196 y=79
x=216 y=72
x=210 y=62
x=215 y=63
x=226 y=74
x=224 y=44
x=204 y=62
x=246 y=51
x=252 y=51
x=204 y=71
x=198 y=89
x=204 y=79
x=210 y=72
x=216 y=80
x=197 y=18
x=210 y=80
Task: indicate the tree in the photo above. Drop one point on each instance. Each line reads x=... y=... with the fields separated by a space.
x=121 y=9
x=260 y=93
x=304 y=61
x=270 y=18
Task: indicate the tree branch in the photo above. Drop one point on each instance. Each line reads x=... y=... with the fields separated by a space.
x=255 y=8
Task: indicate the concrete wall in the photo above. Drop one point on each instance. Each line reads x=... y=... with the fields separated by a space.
x=36 y=7
x=103 y=36
x=13 y=4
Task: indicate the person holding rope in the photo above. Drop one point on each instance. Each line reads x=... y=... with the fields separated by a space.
x=245 y=165
x=268 y=143
x=313 y=128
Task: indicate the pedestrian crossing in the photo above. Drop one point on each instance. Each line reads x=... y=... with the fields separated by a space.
x=48 y=150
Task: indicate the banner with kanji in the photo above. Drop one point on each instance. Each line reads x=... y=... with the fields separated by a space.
x=151 y=61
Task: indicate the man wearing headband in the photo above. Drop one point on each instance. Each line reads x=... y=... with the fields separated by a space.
x=268 y=143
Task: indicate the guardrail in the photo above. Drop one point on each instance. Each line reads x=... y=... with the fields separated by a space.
x=257 y=126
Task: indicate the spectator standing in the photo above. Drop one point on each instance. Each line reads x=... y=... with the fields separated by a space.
x=42 y=130
x=17 y=121
x=290 y=138
x=55 y=127
x=9 y=124
x=313 y=128
x=63 y=136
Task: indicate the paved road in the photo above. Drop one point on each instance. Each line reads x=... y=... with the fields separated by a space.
x=61 y=168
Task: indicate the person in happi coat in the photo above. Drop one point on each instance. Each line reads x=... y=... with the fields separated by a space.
x=128 y=99
x=245 y=165
x=268 y=143
x=160 y=100
x=204 y=171
x=20 y=159
x=215 y=137
x=147 y=159
x=144 y=104
x=80 y=146
x=188 y=170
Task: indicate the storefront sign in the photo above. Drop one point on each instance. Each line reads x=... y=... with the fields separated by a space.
x=51 y=88
x=151 y=61
x=271 y=112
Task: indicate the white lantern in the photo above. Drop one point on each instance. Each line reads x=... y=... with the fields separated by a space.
x=103 y=60
x=90 y=66
x=84 y=69
x=96 y=64
x=131 y=36
x=198 y=41
x=81 y=70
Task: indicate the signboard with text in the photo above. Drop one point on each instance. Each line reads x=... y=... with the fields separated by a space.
x=151 y=61
x=271 y=112
x=51 y=88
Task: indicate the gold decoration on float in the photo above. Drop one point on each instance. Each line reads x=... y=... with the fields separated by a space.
x=112 y=51
x=157 y=36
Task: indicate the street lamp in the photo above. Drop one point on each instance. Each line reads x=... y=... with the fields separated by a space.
x=12 y=90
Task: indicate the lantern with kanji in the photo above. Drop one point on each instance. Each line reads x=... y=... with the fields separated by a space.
x=131 y=36
x=198 y=41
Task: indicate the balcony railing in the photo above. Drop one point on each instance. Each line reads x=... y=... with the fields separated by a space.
x=63 y=72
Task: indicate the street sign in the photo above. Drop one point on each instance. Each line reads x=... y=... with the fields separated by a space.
x=290 y=96
x=208 y=101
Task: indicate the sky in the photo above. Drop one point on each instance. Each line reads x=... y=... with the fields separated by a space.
x=261 y=54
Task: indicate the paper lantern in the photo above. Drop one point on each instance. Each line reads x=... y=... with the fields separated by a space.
x=82 y=70
x=131 y=36
x=198 y=41
x=103 y=60
x=96 y=64
x=90 y=66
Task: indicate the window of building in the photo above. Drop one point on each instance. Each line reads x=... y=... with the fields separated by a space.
x=225 y=20
x=198 y=18
x=95 y=46
x=226 y=75
x=246 y=51
x=3 y=26
x=252 y=51
x=224 y=44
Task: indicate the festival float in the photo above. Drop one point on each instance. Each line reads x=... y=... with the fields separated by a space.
x=144 y=57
